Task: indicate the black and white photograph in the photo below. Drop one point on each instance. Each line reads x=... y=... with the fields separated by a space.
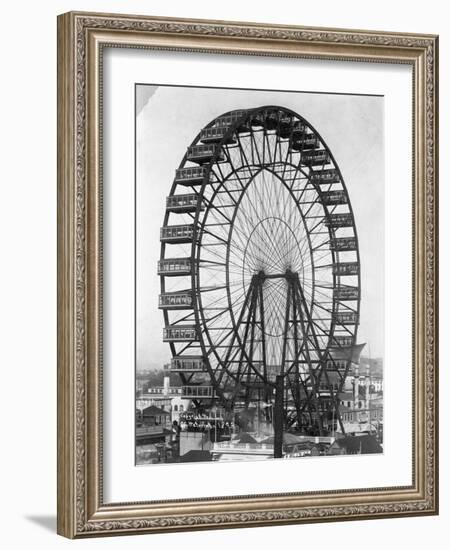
x=260 y=269
x=224 y=235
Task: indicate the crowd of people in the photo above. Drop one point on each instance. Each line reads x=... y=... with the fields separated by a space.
x=190 y=422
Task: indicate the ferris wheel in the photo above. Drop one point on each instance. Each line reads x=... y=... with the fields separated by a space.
x=260 y=268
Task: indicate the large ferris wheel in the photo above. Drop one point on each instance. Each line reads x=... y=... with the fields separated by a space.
x=260 y=270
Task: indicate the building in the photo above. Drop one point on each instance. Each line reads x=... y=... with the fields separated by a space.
x=167 y=397
x=250 y=447
x=152 y=425
x=362 y=409
x=235 y=450
x=364 y=444
x=154 y=435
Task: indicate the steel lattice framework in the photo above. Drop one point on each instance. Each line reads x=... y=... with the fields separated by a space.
x=260 y=268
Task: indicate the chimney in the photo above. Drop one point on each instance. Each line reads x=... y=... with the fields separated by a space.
x=166 y=385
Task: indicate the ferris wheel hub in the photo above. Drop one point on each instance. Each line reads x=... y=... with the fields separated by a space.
x=262 y=275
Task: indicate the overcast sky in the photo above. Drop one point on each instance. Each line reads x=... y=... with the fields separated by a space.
x=168 y=119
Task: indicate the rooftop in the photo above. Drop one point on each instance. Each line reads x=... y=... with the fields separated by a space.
x=154 y=411
x=364 y=444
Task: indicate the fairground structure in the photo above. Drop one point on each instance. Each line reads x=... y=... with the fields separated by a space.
x=260 y=275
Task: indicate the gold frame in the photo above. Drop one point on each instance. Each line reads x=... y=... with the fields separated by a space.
x=81 y=37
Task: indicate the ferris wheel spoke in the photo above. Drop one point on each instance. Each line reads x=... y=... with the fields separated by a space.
x=243 y=152
x=218 y=209
x=320 y=223
x=319 y=258
x=217 y=254
x=304 y=178
x=267 y=146
x=229 y=195
x=310 y=243
x=321 y=245
x=314 y=295
x=238 y=294
x=186 y=317
x=314 y=285
x=215 y=300
x=277 y=149
x=234 y=170
x=287 y=164
x=255 y=148
x=291 y=246
x=323 y=308
x=212 y=265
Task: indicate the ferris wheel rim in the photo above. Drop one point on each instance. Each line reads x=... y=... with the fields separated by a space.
x=196 y=288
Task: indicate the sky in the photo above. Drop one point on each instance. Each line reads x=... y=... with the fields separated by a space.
x=169 y=118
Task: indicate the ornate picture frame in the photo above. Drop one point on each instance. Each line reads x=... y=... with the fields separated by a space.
x=82 y=39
